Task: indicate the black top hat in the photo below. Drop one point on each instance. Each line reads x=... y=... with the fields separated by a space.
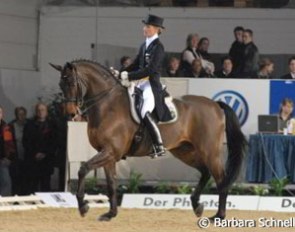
x=154 y=20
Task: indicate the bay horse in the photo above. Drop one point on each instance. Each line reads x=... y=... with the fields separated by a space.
x=196 y=138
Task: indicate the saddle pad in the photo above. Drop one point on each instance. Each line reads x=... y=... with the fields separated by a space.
x=168 y=100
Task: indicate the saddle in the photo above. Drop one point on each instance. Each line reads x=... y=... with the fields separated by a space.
x=136 y=103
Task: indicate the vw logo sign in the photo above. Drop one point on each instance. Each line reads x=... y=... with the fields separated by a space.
x=236 y=101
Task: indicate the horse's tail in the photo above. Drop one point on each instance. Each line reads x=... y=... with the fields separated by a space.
x=236 y=143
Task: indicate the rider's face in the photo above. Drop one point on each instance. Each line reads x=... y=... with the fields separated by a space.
x=149 y=30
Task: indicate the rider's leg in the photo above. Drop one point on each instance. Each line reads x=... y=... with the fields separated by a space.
x=148 y=107
x=155 y=134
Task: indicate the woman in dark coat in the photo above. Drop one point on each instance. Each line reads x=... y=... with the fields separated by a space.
x=146 y=71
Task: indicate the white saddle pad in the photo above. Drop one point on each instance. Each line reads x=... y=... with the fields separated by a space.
x=168 y=100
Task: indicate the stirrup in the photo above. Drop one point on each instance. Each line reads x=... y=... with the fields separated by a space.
x=158 y=150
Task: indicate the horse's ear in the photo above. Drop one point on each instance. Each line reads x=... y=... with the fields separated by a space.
x=57 y=67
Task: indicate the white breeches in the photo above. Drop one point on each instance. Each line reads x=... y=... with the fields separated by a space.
x=148 y=97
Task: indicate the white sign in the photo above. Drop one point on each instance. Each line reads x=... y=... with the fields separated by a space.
x=280 y=204
x=174 y=201
x=56 y=199
x=254 y=93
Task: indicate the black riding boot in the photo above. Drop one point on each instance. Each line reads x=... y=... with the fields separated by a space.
x=154 y=131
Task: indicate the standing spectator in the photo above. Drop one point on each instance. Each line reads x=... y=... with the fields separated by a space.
x=266 y=68
x=237 y=49
x=291 y=74
x=125 y=61
x=7 y=150
x=227 y=69
x=203 y=47
x=202 y=50
x=172 y=69
x=197 y=70
x=39 y=141
x=189 y=54
x=249 y=62
x=17 y=167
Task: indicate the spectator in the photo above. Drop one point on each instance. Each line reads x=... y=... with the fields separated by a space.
x=291 y=74
x=197 y=70
x=39 y=141
x=17 y=167
x=172 y=69
x=189 y=54
x=227 y=69
x=125 y=61
x=286 y=113
x=7 y=150
x=266 y=67
x=250 y=58
x=202 y=50
x=237 y=49
x=203 y=47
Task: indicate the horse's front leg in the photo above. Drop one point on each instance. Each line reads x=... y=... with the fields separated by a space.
x=97 y=161
x=110 y=172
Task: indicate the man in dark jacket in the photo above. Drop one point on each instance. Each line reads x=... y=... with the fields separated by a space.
x=146 y=70
x=250 y=59
x=237 y=49
x=39 y=141
x=7 y=150
x=291 y=74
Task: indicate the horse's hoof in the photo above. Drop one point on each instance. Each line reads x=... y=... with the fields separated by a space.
x=199 y=210
x=106 y=217
x=83 y=210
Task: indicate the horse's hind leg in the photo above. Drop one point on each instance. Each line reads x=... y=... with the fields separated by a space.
x=218 y=173
x=195 y=197
x=97 y=161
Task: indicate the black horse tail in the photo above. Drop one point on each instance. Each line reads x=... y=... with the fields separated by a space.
x=236 y=144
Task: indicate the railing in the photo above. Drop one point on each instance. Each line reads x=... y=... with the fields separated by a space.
x=177 y=3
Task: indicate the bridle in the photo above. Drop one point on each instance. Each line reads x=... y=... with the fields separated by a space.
x=83 y=105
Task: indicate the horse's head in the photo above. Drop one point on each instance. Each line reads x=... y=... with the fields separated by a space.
x=71 y=87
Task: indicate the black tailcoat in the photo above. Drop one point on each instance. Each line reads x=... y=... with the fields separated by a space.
x=148 y=63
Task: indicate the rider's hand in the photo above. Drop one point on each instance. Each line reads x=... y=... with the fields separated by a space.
x=124 y=79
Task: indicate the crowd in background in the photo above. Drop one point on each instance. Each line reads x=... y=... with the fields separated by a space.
x=30 y=149
x=242 y=60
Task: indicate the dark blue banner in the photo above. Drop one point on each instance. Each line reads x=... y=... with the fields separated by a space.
x=278 y=91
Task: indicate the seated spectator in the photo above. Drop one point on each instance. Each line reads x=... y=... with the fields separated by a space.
x=197 y=70
x=189 y=54
x=17 y=167
x=266 y=68
x=39 y=141
x=291 y=74
x=125 y=61
x=7 y=151
x=172 y=69
x=227 y=69
x=250 y=58
x=202 y=50
x=286 y=113
x=237 y=49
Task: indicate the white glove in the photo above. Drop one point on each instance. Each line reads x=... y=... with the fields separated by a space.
x=124 y=79
x=114 y=72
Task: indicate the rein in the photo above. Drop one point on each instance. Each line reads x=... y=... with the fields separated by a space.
x=90 y=102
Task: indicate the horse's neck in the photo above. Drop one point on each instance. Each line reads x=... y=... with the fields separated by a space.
x=115 y=101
